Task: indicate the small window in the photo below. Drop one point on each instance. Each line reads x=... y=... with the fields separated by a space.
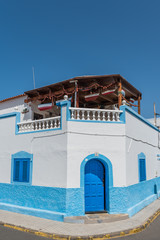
x=21 y=168
x=142 y=167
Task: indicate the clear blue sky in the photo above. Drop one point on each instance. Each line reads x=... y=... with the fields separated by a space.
x=68 y=38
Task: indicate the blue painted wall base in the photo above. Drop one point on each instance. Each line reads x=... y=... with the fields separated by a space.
x=57 y=203
x=33 y=212
x=45 y=202
x=133 y=198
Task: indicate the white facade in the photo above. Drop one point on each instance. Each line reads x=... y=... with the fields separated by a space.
x=59 y=154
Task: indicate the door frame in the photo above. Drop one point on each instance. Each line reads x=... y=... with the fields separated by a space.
x=108 y=176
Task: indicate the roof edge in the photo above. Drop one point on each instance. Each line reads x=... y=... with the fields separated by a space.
x=8 y=99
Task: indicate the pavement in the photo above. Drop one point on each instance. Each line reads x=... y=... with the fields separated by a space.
x=120 y=226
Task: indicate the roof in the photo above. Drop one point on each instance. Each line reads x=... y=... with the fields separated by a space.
x=91 y=82
x=85 y=80
x=8 y=99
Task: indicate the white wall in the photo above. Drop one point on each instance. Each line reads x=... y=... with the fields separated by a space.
x=140 y=138
x=16 y=105
x=49 y=151
x=85 y=138
x=57 y=155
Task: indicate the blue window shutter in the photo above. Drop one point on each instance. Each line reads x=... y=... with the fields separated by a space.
x=142 y=166
x=16 y=176
x=21 y=168
x=25 y=169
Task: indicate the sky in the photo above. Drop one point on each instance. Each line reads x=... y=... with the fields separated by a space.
x=62 y=39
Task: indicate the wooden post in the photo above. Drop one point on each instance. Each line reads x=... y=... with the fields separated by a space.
x=119 y=94
x=77 y=99
x=139 y=104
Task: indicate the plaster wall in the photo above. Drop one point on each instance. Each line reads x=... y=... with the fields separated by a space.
x=85 y=138
x=57 y=158
x=140 y=138
x=49 y=151
x=16 y=105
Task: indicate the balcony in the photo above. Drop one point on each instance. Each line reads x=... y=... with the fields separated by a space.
x=75 y=114
x=89 y=114
x=39 y=125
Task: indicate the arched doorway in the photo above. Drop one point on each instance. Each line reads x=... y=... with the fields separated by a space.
x=94 y=186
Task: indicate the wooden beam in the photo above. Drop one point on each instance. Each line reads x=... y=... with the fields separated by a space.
x=107 y=98
x=127 y=90
x=119 y=94
x=139 y=104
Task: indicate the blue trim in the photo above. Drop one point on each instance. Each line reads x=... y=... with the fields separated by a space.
x=91 y=121
x=38 y=131
x=142 y=169
x=21 y=155
x=123 y=114
x=67 y=104
x=108 y=170
x=128 y=109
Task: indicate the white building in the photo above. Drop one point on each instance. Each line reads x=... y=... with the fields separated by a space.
x=66 y=161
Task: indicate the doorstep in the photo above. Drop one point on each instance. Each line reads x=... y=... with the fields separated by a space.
x=96 y=218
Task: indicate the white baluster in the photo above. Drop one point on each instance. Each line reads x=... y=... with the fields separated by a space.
x=36 y=126
x=98 y=118
x=51 y=124
x=78 y=114
x=82 y=114
x=27 y=127
x=47 y=125
x=113 y=116
x=93 y=115
x=32 y=126
x=55 y=124
x=108 y=116
x=72 y=114
x=39 y=125
x=43 y=124
x=103 y=116
x=88 y=117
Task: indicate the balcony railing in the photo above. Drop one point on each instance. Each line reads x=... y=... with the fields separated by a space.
x=89 y=114
x=38 y=125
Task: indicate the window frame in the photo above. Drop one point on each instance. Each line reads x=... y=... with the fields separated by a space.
x=21 y=157
x=141 y=157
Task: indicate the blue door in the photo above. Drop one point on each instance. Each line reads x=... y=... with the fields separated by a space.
x=94 y=186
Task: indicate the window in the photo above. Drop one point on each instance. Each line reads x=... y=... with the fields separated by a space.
x=142 y=167
x=21 y=168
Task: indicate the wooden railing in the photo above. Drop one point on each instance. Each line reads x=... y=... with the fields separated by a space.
x=89 y=114
x=38 y=125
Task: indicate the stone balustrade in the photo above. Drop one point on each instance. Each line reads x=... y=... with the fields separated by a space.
x=38 y=125
x=89 y=114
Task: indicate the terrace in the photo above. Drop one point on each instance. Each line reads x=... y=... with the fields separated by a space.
x=92 y=98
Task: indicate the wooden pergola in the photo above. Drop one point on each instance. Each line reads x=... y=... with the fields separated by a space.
x=89 y=91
